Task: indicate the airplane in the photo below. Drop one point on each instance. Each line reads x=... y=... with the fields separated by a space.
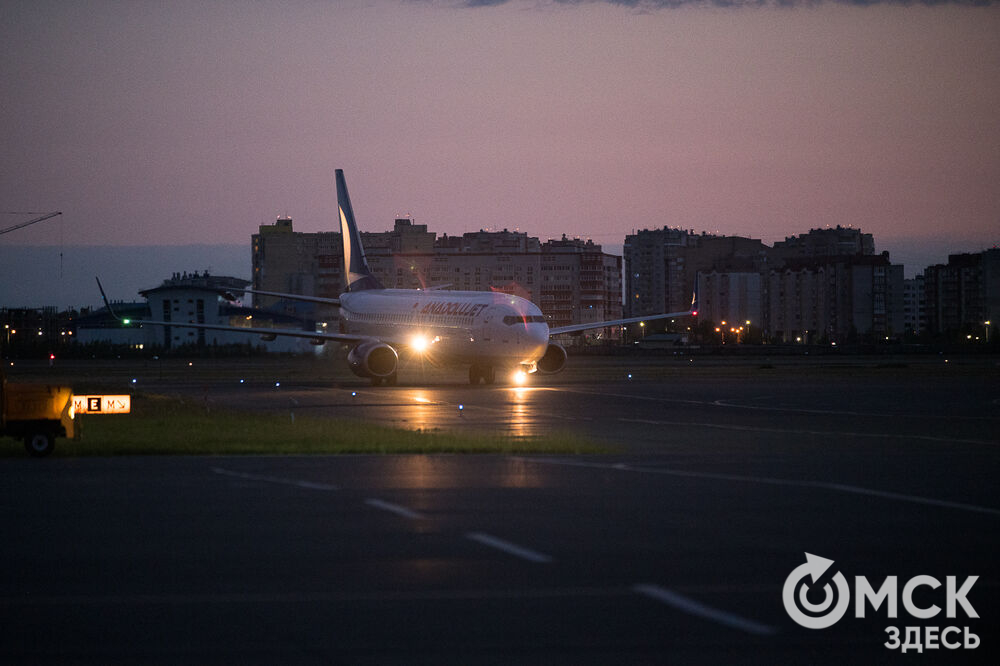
x=485 y=331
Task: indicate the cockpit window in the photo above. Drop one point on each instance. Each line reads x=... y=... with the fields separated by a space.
x=510 y=320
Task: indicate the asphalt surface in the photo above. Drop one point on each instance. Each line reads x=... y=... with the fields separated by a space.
x=672 y=549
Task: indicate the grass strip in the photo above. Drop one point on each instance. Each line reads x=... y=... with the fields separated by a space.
x=162 y=425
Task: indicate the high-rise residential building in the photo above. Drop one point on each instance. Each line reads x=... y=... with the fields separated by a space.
x=823 y=285
x=662 y=265
x=831 y=242
x=580 y=284
x=836 y=299
x=914 y=314
x=863 y=295
x=733 y=297
x=797 y=304
x=962 y=295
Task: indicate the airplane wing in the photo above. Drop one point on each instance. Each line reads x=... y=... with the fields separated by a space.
x=270 y=333
x=617 y=322
x=693 y=310
x=264 y=332
x=295 y=297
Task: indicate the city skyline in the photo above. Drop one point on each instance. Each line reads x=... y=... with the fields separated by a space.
x=63 y=275
x=190 y=123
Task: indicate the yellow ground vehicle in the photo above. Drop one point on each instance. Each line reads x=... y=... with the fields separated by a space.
x=37 y=413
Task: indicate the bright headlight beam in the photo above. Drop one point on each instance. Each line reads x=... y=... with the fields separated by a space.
x=419 y=343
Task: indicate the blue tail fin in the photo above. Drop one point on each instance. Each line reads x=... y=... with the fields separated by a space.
x=357 y=275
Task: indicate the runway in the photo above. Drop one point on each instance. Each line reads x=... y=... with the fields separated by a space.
x=672 y=548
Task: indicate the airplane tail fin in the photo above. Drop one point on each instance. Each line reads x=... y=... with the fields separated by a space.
x=107 y=303
x=694 y=300
x=357 y=275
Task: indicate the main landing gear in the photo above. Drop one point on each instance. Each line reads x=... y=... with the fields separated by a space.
x=482 y=373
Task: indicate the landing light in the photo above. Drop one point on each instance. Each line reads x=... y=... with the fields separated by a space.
x=520 y=377
x=419 y=343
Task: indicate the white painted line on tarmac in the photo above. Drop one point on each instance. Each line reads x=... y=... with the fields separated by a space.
x=311 y=485
x=802 y=410
x=817 y=433
x=692 y=607
x=508 y=547
x=394 y=508
x=823 y=485
x=346 y=596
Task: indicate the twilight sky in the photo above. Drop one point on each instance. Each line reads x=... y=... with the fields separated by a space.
x=181 y=122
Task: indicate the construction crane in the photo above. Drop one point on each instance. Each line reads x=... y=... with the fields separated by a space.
x=29 y=222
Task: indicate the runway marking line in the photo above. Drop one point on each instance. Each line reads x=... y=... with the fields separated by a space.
x=732 y=405
x=508 y=547
x=347 y=596
x=822 y=433
x=394 y=508
x=311 y=485
x=698 y=609
x=823 y=485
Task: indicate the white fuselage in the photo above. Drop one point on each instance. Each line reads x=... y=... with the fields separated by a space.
x=488 y=328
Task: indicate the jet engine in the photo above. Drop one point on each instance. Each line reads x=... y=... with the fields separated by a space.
x=373 y=359
x=553 y=360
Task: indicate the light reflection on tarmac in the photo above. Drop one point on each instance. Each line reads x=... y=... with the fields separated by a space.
x=652 y=416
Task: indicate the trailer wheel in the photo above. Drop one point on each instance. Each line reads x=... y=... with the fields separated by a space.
x=40 y=444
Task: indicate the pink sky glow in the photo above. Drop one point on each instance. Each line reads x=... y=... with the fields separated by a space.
x=192 y=122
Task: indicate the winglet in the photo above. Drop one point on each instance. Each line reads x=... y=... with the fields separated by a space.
x=107 y=303
x=694 y=301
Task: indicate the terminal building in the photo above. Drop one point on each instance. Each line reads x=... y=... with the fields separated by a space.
x=191 y=298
